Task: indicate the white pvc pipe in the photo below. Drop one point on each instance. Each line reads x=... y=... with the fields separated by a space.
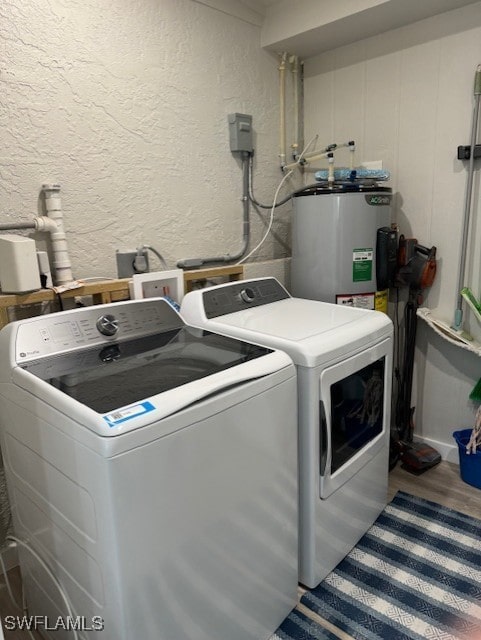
x=282 y=109
x=61 y=261
x=330 y=175
x=352 y=149
x=295 y=82
x=41 y=223
x=10 y=226
x=303 y=160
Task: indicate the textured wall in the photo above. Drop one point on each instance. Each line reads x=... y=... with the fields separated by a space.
x=125 y=105
x=406 y=98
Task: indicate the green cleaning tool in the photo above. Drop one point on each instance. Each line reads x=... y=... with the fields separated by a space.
x=475 y=394
x=470 y=298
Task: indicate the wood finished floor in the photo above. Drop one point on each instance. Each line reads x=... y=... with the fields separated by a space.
x=442 y=484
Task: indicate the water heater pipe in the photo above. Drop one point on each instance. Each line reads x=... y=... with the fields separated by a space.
x=330 y=175
x=352 y=149
x=312 y=155
x=303 y=160
x=194 y=263
x=294 y=60
x=61 y=260
x=282 y=109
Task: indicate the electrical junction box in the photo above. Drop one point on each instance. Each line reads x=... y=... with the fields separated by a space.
x=240 y=132
x=18 y=264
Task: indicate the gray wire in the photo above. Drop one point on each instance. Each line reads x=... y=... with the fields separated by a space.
x=280 y=202
x=155 y=252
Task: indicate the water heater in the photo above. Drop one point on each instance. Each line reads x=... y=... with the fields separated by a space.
x=343 y=248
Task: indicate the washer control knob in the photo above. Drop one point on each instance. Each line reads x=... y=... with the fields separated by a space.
x=247 y=295
x=107 y=325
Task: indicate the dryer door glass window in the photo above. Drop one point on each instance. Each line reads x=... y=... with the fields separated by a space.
x=357 y=411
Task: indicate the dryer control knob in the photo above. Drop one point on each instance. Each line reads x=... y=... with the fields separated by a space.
x=247 y=295
x=107 y=325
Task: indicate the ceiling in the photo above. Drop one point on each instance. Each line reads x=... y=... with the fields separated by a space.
x=258 y=5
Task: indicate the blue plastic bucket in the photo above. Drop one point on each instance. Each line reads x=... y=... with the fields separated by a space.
x=469 y=465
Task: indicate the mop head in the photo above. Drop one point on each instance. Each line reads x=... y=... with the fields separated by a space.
x=475 y=439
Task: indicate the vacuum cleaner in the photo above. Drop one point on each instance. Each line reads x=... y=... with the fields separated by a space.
x=416 y=270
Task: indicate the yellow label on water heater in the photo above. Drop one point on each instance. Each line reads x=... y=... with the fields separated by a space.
x=380 y=300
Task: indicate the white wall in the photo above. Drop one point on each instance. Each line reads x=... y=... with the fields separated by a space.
x=405 y=97
x=125 y=105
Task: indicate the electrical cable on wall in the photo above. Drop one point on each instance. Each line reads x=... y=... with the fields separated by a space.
x=140 y=263
x=275 y=204
x=280 y=202
x=269 y=227
x=193 y=263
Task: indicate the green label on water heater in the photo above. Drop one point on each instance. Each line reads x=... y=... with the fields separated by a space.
x=362 y=265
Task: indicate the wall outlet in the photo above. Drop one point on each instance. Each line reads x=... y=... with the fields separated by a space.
x=125 y=263
x=158 y=284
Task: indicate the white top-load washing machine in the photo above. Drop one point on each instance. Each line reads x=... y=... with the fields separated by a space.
x=153 y=468
x=344 y=365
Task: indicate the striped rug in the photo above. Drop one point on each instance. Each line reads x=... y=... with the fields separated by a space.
x=416 y=574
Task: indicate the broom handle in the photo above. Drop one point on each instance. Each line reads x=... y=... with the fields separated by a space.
x=458 y=315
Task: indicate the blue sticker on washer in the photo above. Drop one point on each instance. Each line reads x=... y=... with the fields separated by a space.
x=127 y=413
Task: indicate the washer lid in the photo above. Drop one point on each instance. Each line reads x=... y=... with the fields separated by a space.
x=120 y=374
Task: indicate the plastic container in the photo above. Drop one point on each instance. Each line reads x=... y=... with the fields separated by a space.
x=469 y=465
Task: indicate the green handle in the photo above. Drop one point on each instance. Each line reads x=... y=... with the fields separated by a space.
x=477 y=81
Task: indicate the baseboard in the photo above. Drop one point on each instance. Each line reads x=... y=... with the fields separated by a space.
x=449 y=452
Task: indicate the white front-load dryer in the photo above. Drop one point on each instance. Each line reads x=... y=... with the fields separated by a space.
x=344 y=366
x=153 y=468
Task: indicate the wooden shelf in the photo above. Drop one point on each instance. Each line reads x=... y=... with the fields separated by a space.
x=106 y=291
x=102 y=292
x=232 y=273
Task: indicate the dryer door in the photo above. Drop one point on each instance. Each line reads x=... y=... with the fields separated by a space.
x=355 y=414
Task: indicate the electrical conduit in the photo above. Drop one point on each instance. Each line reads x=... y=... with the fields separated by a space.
x=194 y=263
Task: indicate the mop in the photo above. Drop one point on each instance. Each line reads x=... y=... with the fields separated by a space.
x=475 y=439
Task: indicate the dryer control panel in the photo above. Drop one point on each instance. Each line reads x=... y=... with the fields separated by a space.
x=91 y=326
x=219 y=301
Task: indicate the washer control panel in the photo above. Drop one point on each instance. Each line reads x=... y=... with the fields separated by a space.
x=219 y=301
x=92 y=326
